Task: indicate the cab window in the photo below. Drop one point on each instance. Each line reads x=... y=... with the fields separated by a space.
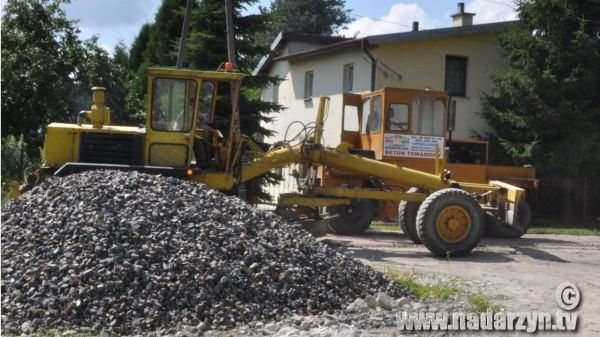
x=173 y=103
x=376 y=119
x=207 y=91
x=428 y=115
x=397 y=117
x=350 y=118
x=365 y=123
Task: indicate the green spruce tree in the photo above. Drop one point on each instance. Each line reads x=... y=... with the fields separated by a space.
x=545 y=108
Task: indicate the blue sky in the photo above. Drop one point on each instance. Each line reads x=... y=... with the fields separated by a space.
x=120 y=20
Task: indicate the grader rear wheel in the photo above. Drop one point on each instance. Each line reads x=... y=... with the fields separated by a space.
x=353 y=219
x=450 y=222
x=407 y=216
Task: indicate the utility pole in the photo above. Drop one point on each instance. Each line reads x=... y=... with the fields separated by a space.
x=230 y=33
x=184 y=33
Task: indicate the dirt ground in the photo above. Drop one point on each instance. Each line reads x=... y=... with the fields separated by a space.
x=521 y=275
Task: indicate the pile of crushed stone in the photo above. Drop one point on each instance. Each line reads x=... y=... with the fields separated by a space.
x=135 y=252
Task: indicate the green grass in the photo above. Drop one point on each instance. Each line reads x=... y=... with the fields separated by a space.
x=563 y=230
x=409 y=280
x=385 y=227
x=479 y=303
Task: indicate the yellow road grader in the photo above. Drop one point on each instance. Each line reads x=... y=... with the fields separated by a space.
x=180 y=139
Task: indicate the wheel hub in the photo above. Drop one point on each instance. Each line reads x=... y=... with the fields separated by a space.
x=453 y=224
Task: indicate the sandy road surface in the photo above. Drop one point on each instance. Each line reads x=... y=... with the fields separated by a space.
x=522 y=274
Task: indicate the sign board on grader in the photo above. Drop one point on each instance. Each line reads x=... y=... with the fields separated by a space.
x=412 y=146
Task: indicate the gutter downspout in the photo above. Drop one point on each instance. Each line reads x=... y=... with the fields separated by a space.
x=364 y=44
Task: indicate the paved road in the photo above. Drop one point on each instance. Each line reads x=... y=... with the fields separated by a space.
x=522 y=274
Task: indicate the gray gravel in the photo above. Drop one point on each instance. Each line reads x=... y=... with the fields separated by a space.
x=130 y=252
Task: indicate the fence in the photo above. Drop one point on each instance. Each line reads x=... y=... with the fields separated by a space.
x=287 y=185
x=574 y=199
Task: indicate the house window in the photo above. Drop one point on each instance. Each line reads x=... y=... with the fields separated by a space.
x=308 y=84
x=275 y=97
x=348 y=77
x=456 y=75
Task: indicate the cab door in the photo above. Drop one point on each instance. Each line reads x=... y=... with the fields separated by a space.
x=170 y=121
x=371 y=135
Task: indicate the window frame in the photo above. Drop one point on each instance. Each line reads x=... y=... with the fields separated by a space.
x=373 y=98
x=348 y=78
x=364 y=123
x=309 y=78
x=465 y=63
x=196 y=94
x=213 y=99
x=417 y=115
x=275 y=93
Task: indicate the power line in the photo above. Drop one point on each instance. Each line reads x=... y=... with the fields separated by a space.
x=501 y=3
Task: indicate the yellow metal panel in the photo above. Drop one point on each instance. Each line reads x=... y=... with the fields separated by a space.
x=271 y=160
x=62 y=141
x=59 y=144
x=104 y=129
x=312 y=201
x=217 y=180
x=168 y=155
x=369 y=194
x=513 y=193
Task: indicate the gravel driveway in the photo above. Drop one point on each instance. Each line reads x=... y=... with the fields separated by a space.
x=521 y=275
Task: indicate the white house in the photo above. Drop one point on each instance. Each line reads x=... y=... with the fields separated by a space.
x=456 y=59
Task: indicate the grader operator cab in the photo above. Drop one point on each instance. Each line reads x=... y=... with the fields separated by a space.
x=406 y=127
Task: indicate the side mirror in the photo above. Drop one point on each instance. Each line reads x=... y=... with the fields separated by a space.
x=451 y=115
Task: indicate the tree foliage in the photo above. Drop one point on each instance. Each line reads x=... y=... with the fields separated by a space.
x=322 y=17
x=545 y=109
x=47 y=71
x=40 y=54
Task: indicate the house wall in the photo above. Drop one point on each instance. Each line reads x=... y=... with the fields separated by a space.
x=422 y=64
x=328 y=73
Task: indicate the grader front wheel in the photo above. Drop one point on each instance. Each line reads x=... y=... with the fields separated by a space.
x=450 y=222
x=407 y=216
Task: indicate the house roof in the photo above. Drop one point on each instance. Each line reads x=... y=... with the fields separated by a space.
x=283 y=37
x=441 y=32
x=343 y=43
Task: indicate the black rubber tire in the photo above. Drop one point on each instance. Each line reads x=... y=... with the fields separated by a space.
x=428 y=214
x=353 y=219
x=499 y=229
x=407 y=216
